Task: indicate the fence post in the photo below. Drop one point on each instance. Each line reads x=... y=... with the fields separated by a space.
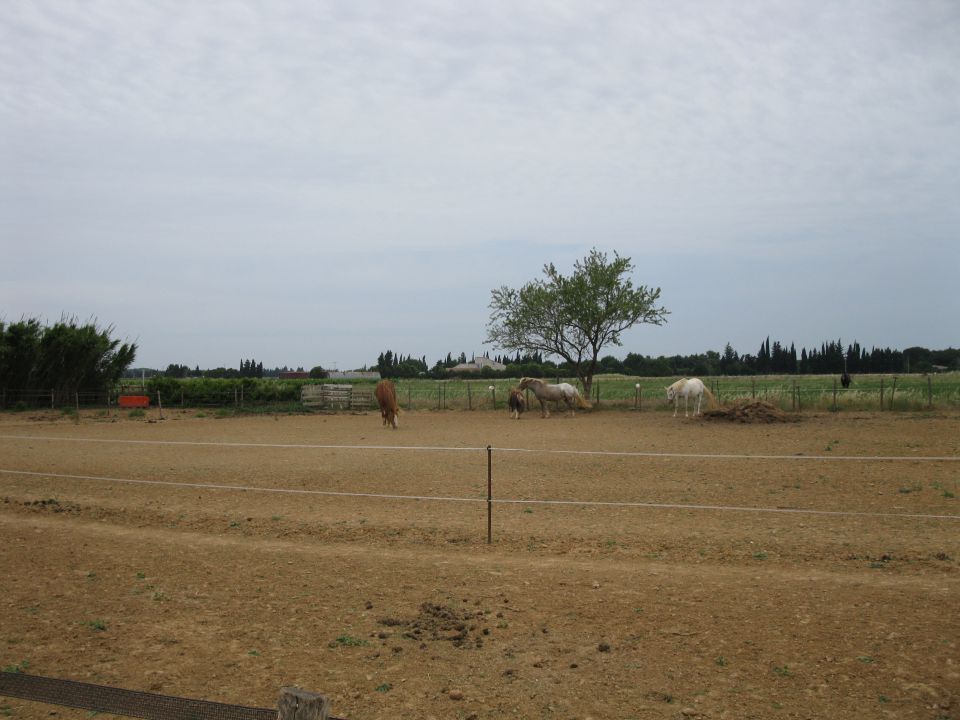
x=881 y=394
x=489 y=495
x=636 y=397
x=893 y=391
x=51 y=399
x=297 y=704
x=834 y=394
x=753 y=388
x=469 y=398
x=493 y=396
x=598 y=392
x=929 y=393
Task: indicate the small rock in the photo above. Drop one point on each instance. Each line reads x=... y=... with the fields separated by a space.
x=456 y=695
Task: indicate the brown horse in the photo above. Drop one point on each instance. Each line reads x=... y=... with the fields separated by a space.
x=564 y=392
x=386 y=395
x=517 y=403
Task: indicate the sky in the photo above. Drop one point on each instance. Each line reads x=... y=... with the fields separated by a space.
x=313 y=183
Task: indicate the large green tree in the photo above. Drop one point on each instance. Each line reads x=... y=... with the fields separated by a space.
x=573 y=317
x=65 y=357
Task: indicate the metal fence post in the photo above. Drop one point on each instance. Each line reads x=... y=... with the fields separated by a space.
x=489 y=495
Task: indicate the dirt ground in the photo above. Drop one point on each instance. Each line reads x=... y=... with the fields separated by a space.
x=198 y=556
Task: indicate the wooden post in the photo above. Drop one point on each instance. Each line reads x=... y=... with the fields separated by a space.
x=241 y=395
x=51 y=399
x=636 y=397
x=598 y=392
x=159 y=403
x=438 y=396
x=834 y=394
x=493 y=396
x=469 y=398
x=640 y=399
x=929 y=393
x=297 y=704
x=793 y=396
x=893 y=391
x=881 y=394
x=753 y=388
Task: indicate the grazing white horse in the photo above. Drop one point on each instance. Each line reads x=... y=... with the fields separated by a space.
x=686 y=389
x=564 y=392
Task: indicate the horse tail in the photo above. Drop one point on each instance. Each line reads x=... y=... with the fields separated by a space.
x=583 y=402
x=711 y=398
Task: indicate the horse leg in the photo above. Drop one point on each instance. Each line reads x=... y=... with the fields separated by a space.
x=699 y=400
x=686 y=398
x=544 y=412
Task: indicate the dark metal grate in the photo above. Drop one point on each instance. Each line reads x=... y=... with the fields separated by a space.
x=117 y=701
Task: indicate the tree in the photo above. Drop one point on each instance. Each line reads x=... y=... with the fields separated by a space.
x=573 y=317
x=64 y=358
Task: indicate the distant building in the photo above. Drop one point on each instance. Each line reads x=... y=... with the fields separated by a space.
x=353 y=375
x=295 y=375
x=478 y=364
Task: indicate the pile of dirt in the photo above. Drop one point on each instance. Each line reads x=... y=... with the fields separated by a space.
x=750 y=411
x=437 y=622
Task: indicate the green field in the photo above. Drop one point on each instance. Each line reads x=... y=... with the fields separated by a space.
x=788 y=392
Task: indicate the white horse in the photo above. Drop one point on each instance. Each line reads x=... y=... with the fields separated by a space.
x=564 y=392
x=686 y=389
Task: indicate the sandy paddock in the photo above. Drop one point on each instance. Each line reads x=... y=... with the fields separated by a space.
x=692 y=587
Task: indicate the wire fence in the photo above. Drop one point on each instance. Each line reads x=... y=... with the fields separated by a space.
x=151 y=706
x=788 y=393
x=490 y=500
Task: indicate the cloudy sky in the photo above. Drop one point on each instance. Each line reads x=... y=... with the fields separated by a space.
x=316 y=182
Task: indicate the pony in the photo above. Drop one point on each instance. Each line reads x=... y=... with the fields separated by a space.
x=517 y=403
x=563 y=392
x=845 y=378
x=386 y=395
x=685 y=388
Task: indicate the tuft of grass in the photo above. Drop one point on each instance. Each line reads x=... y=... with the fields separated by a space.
x=348 y=641
x=17 y=667
x=783 y=671
x=137 y=413
x=721 y=661
x=385 y=687
x=98 y=625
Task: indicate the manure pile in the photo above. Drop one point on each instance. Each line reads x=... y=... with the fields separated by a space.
x=750 y=411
